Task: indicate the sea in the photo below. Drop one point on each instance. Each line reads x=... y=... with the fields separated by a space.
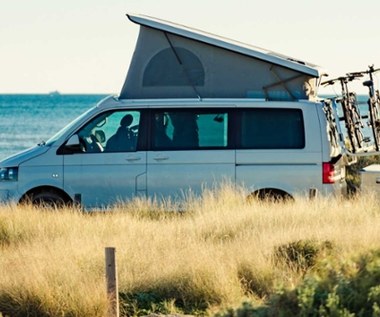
x=29 y=119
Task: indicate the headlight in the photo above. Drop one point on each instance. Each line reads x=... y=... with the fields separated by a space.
x=8 y=174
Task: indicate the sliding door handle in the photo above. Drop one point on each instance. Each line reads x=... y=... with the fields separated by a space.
x=133 y=158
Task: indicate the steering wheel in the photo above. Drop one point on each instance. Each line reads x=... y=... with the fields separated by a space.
x=95 y=145
x=90 y=144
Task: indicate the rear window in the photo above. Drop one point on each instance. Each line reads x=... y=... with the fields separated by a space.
x=264 y=128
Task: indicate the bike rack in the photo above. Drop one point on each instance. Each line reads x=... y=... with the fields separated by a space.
x=358 y=145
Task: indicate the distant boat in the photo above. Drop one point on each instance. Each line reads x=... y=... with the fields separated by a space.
x=54 y=93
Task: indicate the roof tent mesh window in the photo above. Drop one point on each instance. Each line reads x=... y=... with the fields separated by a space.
x=272 y=129
x=174 y=66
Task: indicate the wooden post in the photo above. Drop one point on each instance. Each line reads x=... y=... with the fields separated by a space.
x=312 y=193
x=112 y=284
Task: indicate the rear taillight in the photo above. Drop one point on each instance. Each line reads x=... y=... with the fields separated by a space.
x=328 y=173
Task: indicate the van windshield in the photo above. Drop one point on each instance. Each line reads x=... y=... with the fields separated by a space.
x=61 y=132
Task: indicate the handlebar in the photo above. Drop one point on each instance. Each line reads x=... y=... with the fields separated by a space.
x=352 y=76
x=343 y=79
x=333 y=81
x=371 y=69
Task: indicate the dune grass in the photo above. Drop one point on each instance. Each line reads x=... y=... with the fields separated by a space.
x=218 y=253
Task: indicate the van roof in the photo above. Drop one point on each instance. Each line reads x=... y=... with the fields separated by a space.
x=228 y=44
x=112 y=101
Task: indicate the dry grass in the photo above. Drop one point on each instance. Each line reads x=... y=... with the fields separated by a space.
x=216 y=254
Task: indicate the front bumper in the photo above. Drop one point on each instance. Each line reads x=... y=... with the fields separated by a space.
x=10 y=193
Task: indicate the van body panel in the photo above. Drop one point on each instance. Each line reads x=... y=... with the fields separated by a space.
x=40 y=176
x=26 y=155
x=292 y=171
x=277 y=157
x=293 y=179
x=174 y=173
x=42 y=170
x=103 y=179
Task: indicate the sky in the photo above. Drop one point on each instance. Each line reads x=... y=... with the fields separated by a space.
x=85 y=46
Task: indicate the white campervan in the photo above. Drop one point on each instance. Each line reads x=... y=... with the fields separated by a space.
x=195 y=110
x=127 y=148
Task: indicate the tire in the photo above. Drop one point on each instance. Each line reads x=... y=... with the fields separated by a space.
x=271 y=195
x=48 y=199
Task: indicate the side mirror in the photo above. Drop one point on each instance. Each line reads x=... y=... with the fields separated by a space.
x=72 y=146
x=73 y=141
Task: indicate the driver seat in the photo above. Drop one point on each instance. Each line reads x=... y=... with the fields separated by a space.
x=124 y=139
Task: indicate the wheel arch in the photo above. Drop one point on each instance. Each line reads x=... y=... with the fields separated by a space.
x=36 y=190
x=270 y=193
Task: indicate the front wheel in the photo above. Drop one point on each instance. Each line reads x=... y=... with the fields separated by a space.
x=47 y=198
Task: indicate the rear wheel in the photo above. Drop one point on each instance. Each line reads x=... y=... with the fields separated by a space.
x=271 y=195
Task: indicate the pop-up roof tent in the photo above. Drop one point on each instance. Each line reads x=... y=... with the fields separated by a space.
x=173 y=61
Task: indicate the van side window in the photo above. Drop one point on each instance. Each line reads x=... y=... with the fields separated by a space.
x=189 y=129
x=266 y=128
x=113 y=131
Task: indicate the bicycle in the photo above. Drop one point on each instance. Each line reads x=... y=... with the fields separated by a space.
x=373 y=104
x=350 y=109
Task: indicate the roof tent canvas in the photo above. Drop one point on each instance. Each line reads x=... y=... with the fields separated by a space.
x=172 y=61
